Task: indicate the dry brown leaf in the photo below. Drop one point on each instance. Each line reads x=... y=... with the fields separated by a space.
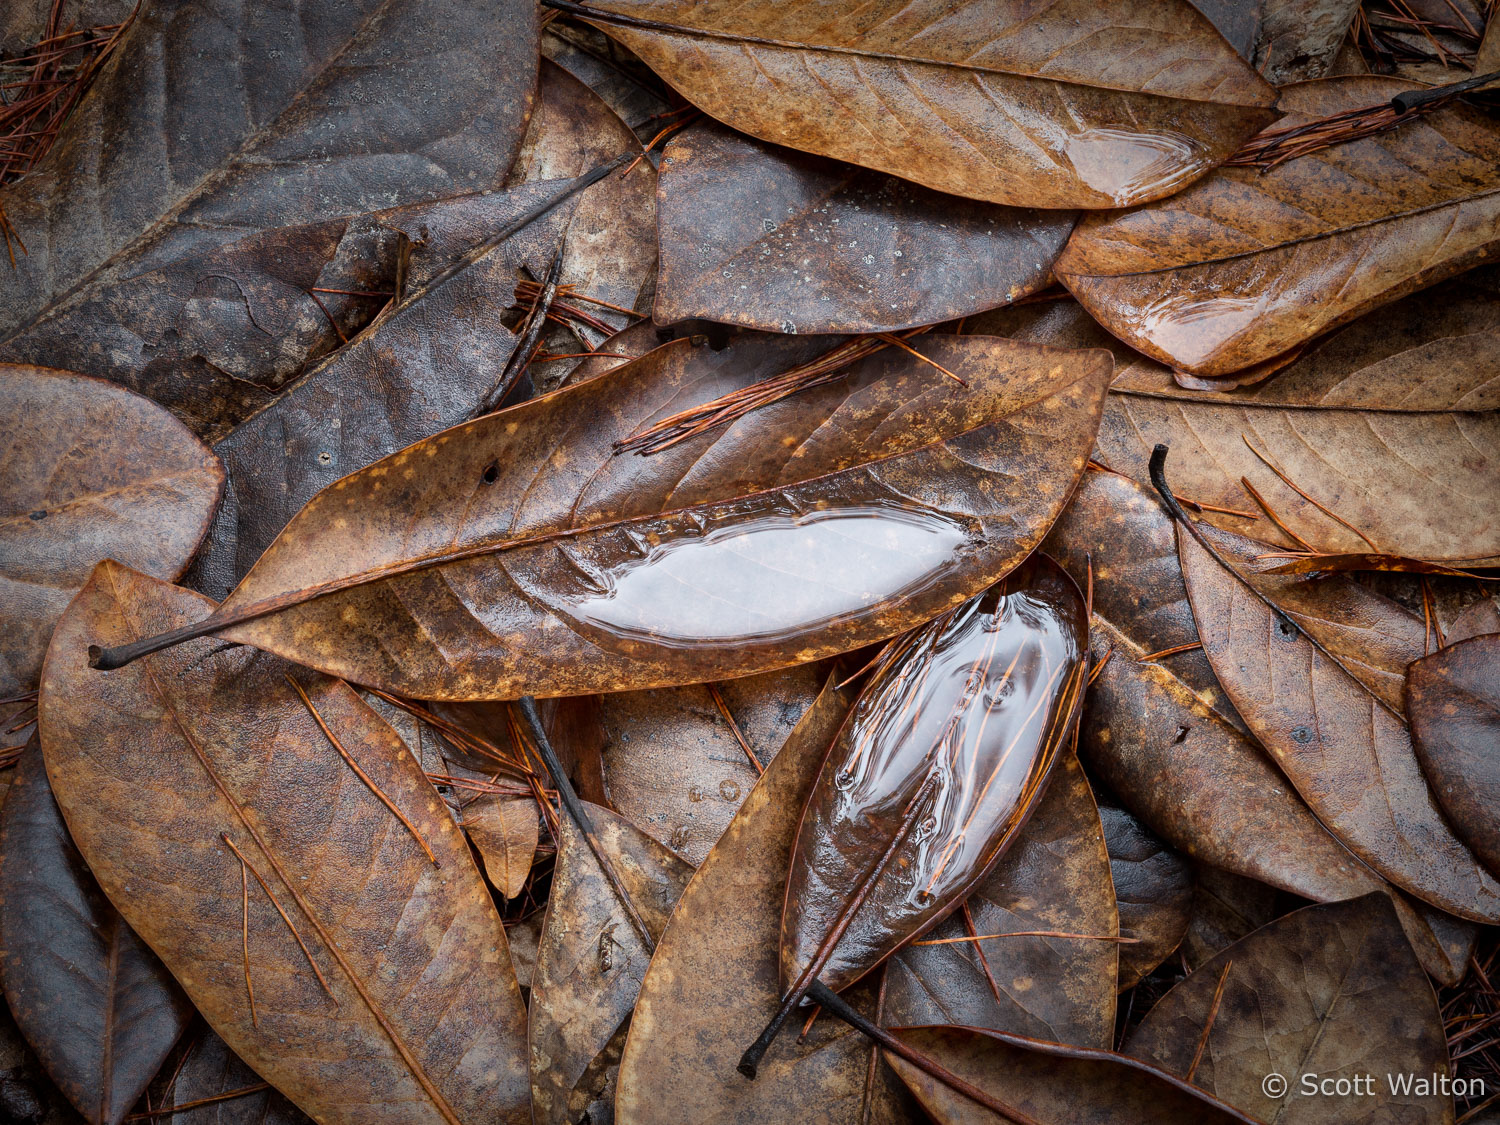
x=206 y=769
x=1252 y=262
x=1071 y=105
x=88 y=471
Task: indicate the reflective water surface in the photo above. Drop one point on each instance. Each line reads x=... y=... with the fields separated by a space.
x=955 y=734
x=771 y=576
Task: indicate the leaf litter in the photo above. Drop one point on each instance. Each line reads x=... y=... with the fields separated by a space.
x=643 y=560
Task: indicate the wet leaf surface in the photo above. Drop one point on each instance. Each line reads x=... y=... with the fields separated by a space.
x=1052 y=881
x=423 y=365
x=1154 y=890
x=770 y=238
x=1312 y=243
x=675 y=767
x=1048 y=1083
x=714 y=980
x=236 y=142
x=88 y=471
x=948 y=750
x=1453 y=699
x=536 y=575
x=1322 y=992
x=243 y=784
x=591 y=961
x=64 y=948
x=1347 y=752
x=1068 y=106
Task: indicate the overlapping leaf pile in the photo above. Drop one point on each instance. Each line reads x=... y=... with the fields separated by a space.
x=773 y=561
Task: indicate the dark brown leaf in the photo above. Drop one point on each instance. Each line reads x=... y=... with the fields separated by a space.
x=714 y=982
x=1054 y=880
x=613 y=72
x=526 y=558
x=88 y=471
x=674 y=766
x=1345 y=749
x=1453 y=698
x=1050 y=1083
x=1475 y=620
x=1252 y=262
x=206 y=769
x=1161 y=733
x=946 y=753
x=1154 y=889
x=591 y=961
x=1327 y=992
x=423 y=365
x=212 y=1070
x=208 y=181
x=95 y=1004
x=1072 y=105
x=770 y=238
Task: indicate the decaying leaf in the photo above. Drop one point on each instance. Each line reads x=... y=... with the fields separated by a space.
x=714 y=980
x=94 y=1003
x=424 y=364
x=1116 y=531
x=946 y=753
x=232 y=1093
x=505 y=831
x=770 y=238
x=1252 y=262
x=1200 y=784
x=591 y=961
x=1071 y=105
x=207 y=181
x=280 y=868
x=1051 y=1084
x=88 y=471
x=676 y=767
x=1047 y=968
x=1411 y=470
x=1331 y=992
x=1154 y=890
x=1348 y=753
x=1453 y=699
x=526 y=557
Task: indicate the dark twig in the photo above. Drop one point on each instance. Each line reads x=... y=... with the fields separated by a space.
x=581 y=819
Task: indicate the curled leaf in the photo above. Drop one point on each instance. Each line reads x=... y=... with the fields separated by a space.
x=1251 y=262
x=1045 y=965
x=945 y=755
x=1345 y=749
